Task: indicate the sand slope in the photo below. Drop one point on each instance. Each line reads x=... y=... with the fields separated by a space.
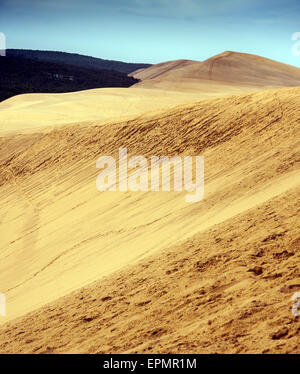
x=156 y=70
x=238 y=70
x=42 y=112
x=60 y=233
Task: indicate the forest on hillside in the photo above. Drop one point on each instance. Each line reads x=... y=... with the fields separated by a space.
x=76 y=60
x=22 y=75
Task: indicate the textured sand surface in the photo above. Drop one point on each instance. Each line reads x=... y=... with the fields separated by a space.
x=170 y=276
x=42 y=112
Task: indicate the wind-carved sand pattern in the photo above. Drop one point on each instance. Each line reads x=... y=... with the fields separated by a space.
x=30 y=232
x=136 y=272
x=31 y=226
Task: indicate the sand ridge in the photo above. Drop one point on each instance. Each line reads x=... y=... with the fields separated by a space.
x=42 y=112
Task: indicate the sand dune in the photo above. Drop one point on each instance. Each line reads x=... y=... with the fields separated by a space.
x=156 y=70
x=200 y=289
x=42 y=112
x=228 y=70
x=172 y=83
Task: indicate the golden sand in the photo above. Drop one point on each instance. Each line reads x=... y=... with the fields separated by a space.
x=118 y=272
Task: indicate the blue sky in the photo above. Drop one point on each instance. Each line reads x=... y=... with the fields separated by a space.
x=153 y=30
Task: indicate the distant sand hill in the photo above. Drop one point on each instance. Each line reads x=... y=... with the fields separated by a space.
x=169 y=276
x=220 y=71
